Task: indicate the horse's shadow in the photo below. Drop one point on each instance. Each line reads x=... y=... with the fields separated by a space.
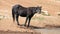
x=36 y=27
x=31 y=27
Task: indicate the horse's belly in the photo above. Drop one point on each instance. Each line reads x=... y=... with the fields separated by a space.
x=23 y=15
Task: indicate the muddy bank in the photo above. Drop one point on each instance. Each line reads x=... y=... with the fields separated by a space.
x=17 y=32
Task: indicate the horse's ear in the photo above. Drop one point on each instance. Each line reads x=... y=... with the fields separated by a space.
x=39 y=6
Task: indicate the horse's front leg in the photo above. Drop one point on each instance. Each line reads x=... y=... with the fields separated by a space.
x=17 y=19
x=29 y=21
x=26 y=21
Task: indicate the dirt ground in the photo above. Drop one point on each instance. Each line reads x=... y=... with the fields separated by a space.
x=38 y=21
x=17 y=32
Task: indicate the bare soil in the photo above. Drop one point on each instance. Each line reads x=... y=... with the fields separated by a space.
x=37 y=22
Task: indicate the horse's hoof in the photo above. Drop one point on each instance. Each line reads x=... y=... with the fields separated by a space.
x=18 y=24
x=27 y=26
x=24 y=25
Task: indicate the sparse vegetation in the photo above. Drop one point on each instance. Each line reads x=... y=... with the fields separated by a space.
x=1 y=17
x=38 y=18
x=46 y=14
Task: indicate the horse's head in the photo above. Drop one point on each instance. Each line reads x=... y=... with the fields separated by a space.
x=38 y=9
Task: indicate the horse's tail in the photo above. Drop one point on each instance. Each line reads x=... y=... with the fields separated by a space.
x=13 y=15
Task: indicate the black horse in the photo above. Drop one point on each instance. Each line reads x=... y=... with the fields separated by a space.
x=27 y=12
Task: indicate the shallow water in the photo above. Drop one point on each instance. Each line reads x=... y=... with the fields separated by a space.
x=48 y=31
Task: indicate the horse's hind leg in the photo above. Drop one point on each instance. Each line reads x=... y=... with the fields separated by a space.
x=17 y=19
